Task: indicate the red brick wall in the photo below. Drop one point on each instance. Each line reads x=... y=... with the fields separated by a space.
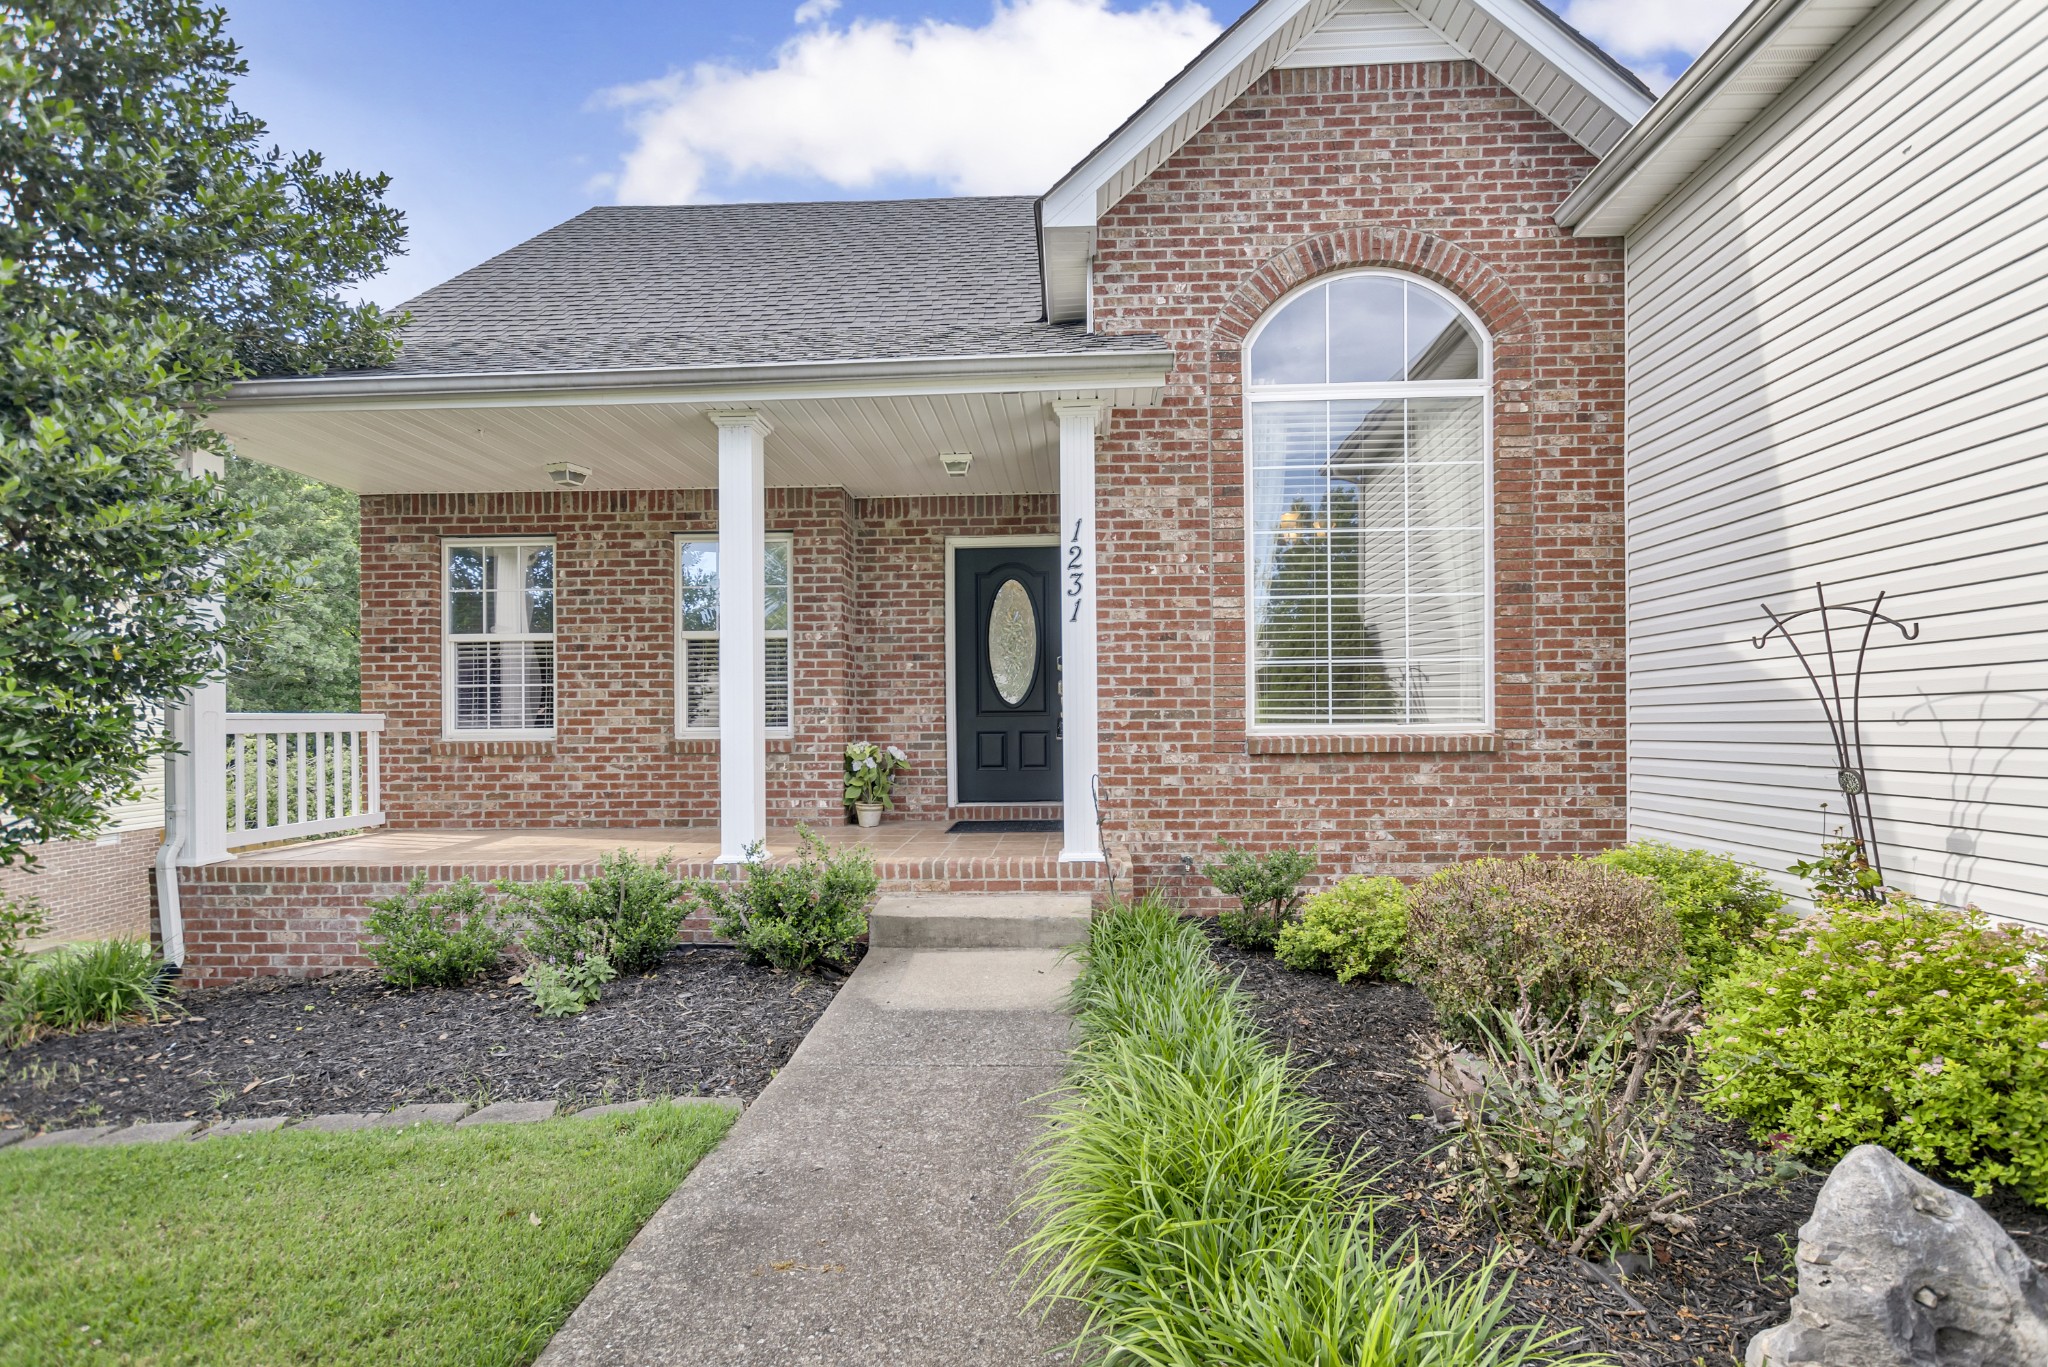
x=869 y=635
x=1440 y=171
x=92 y=889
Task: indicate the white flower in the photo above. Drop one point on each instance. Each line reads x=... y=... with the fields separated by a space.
x=897 y=753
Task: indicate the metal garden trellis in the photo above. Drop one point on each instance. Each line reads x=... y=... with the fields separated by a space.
x=1843 y=710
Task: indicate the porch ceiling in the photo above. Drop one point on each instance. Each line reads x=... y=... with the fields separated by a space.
x=876 y=444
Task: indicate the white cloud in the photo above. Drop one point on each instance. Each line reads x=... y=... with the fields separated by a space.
x=1656 y=37
x=810 y=11
x=1005 y=107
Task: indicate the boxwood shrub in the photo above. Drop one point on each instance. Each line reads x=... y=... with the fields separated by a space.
x=1921 y=1028
x=1354 y=929
x=1722 y=905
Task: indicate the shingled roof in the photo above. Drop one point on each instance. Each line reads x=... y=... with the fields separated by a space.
x=643 y=286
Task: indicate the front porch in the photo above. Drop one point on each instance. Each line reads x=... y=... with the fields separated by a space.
x=297 y=909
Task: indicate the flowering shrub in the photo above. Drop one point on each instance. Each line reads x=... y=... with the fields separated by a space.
x=871 y=773
x=1543 y=935
x=1354 y=929
x=1722 y=906
x=1920 y=1028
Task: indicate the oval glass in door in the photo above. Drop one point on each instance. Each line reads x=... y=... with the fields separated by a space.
x=1013 y=642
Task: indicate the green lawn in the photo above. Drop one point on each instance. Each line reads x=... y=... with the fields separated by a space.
x=427 y=1245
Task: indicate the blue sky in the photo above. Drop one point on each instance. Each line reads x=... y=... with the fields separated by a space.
x=496 y=120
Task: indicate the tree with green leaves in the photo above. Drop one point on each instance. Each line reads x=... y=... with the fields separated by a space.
x=153 y=250
x=311 y=659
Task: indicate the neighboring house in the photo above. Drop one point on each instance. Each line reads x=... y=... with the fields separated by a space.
x=98 y=889
x=1838 y=337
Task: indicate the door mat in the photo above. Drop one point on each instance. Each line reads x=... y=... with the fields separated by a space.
x=1036 y=827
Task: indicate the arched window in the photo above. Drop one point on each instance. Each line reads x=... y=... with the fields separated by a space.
x=1370 y=523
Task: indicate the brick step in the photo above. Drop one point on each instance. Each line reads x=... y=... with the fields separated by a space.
x=984 y=921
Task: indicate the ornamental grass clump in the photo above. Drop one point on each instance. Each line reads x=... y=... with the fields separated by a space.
x=1354 y=930
x=1187 y=1206
x=1535 y=935
x=93 y=982
x=1723 y=906
x=1921 y=1028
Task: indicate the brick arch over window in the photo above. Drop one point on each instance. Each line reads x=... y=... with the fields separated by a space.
x=1401 y=249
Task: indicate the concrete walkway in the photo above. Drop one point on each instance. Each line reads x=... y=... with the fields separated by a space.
x=856 y=1213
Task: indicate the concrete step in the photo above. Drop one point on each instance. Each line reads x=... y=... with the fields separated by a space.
x=1030 y=920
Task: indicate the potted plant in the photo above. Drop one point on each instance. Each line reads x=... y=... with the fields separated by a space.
x=870 y=773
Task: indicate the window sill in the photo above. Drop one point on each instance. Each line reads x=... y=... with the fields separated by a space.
x=494 y=745
x=708 y=745
x=1378 y=743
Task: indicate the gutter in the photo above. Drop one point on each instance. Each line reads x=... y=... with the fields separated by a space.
x=170 y=913
x=808 y=379
x=1740 y=41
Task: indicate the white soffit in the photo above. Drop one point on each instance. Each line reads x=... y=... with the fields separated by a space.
x=1371 y=33
x=1763 y=54
x=1517 y=41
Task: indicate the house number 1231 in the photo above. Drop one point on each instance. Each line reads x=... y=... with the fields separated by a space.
x=1076 y=576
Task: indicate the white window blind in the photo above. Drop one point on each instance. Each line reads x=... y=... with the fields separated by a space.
x=1369 y=527
x=500 y=623
x=697 y=635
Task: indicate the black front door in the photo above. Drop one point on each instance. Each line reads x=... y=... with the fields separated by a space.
x=1006 y=687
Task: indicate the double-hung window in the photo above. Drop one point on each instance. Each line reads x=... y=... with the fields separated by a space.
x=499 y=664
x=1370 y=531
x=697 y=635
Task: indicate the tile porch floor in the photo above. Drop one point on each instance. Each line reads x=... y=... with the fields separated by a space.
x=892 y=841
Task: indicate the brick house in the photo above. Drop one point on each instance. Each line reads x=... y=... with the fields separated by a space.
x=1259 y=482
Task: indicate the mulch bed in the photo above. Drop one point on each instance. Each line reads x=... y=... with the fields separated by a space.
x=1704 y=1296
x=704 y=1023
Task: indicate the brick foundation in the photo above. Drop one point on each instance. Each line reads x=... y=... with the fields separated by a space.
x=92 y=889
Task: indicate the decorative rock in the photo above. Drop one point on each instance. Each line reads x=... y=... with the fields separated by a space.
x=509 y=1113
x=144 y=1132
x=255 y=1124
x=340 y=1120
x=431 y=1113
x=1897 y=1271
x=53 y=1138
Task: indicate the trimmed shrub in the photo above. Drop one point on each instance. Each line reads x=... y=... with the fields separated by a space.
x=1185 y=1204
x=799 y=916
x=72 y=986
x=1354 y=929
x=1722 y=905
x=1921 y=1028
x=1267 y=889
x=442 y=938
x=629 y=913
x=1535 y=935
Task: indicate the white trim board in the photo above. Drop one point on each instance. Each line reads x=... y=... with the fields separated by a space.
x=954 y=543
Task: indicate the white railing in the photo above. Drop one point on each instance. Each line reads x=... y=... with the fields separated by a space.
x=294 y=774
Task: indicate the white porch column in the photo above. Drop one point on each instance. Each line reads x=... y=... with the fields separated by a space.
x=198 y=774
x=1080 y=753
x=742 y=633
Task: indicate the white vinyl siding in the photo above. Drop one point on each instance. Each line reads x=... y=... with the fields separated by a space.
x=1369 y=33
x=498 y=620
x=697 y=635
x=1837 y=341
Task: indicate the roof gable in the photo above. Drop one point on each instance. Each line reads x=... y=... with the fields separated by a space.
x=1522 y=44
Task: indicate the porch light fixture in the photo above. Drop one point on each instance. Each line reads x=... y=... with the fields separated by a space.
x=568 y=474
x=956 y=462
